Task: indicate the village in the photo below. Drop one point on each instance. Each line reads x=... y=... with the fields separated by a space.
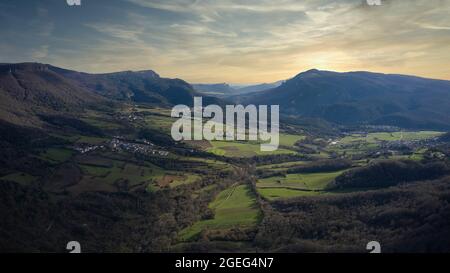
x=120 y=144
x=389 y=145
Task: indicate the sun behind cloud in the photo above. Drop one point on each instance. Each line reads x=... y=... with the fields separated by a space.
x=231 y=41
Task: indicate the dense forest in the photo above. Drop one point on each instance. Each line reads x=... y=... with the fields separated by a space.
x=389 y=173
x=407 y=218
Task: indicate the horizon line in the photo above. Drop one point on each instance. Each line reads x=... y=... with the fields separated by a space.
x=243 y=84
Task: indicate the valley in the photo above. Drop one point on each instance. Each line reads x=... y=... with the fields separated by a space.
x=111 y=176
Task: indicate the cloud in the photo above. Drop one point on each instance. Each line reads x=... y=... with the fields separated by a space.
x=225 y=5
x=241 y=40
x=40 y=53
x=126 y=33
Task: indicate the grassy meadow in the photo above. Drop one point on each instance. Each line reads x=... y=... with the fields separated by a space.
x=233 y=207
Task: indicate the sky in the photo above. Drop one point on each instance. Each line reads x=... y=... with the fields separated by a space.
x=233 y=41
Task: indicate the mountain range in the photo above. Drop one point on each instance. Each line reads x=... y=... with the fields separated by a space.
x=30 y=89
x=226 y=90
x=354 y=98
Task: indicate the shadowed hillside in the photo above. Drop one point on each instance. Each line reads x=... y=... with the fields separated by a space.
x=137 y=86
x=363 y=98
x=31 y=89
x=28 y=89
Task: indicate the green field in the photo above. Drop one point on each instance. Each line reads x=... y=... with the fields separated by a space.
x=102 y=123
x=275 y=193
x=233 y=207
x=358 y=144
x=281 y=166
x=295 y=184
x=226 y=148
x=56 y=155
x=21 y=178
x=95 y=170
x=91 y=140
x=184 y=180
x=241 y=149
x=385 y=136
x=152 y=110
x=214 y=165
x=251 y=148
x=104 y=177
x=163 y=123
x=289 y=140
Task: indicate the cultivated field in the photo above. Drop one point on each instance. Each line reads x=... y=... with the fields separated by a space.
x=293 y=185
x=252 y=148
x=233 y=207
